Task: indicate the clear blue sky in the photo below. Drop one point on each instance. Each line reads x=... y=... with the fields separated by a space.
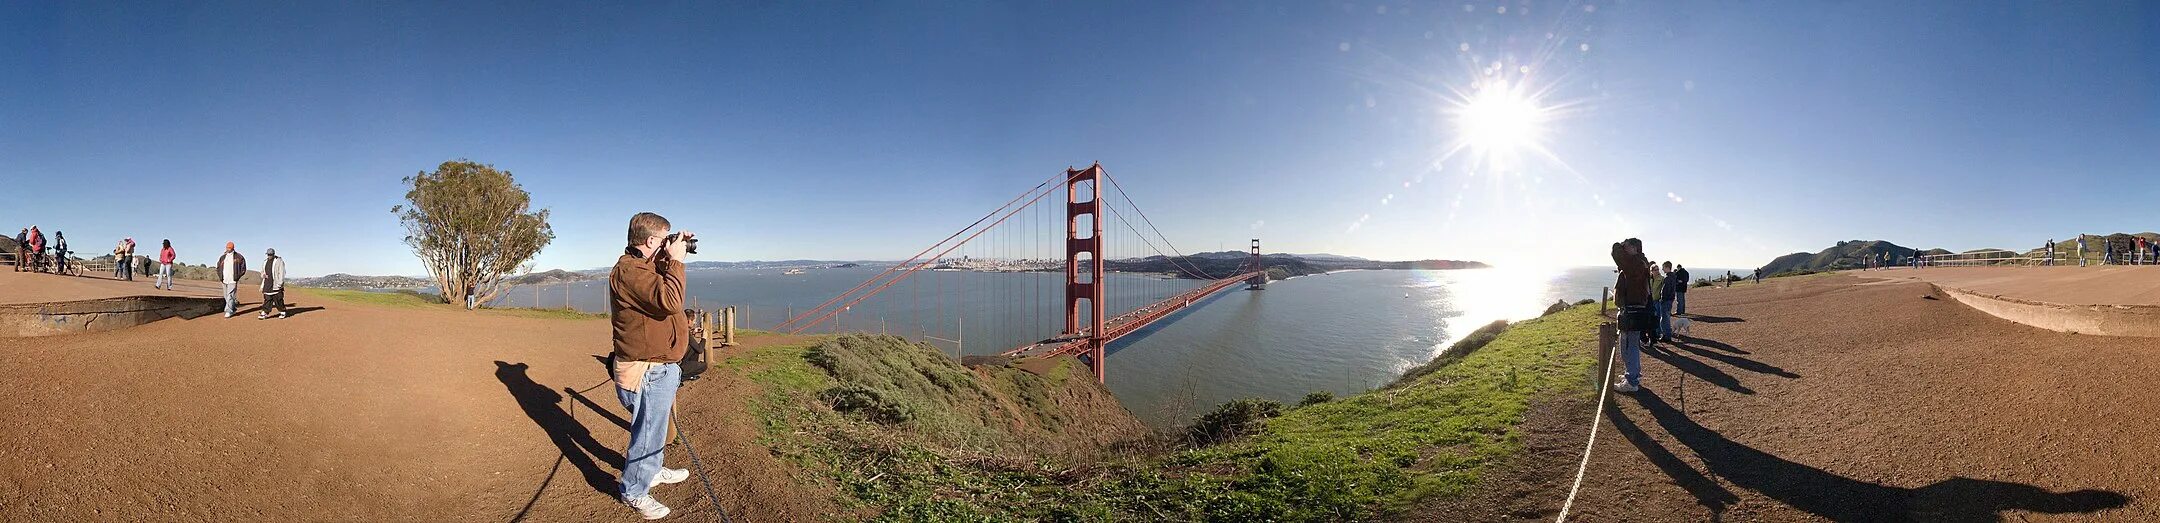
x=1722 y=134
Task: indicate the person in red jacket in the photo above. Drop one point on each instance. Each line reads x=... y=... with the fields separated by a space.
x=165 y=260
x=37 y=248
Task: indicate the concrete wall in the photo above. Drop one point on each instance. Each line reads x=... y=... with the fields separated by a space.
x=50 y=319
x=2103 y=320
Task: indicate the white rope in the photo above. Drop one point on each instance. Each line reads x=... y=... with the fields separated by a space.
x=1595 y=420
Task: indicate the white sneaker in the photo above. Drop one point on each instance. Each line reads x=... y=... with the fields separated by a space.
x=648 y=507
x=669 y=476
x=1622 y=386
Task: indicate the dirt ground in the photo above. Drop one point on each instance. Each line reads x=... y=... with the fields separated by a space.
x=354 y=413
x=1844 y=399
x=1801 y=399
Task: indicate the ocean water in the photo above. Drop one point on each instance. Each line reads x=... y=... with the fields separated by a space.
x=1341 y=332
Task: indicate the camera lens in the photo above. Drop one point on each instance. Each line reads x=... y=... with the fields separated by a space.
x=690 y=246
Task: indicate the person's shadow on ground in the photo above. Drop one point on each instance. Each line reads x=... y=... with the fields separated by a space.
x=546 y=409
x=1829 y=495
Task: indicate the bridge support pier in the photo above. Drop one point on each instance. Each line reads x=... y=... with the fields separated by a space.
x=1092 y=289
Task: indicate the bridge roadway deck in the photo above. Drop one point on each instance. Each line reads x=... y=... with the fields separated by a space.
x=1133 y=320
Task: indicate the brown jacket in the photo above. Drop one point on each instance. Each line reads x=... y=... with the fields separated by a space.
x=645 y=305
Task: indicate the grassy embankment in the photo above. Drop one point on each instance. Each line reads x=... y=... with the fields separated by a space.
x=901 y=433
x=406 y=299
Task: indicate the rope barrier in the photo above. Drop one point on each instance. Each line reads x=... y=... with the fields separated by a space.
x=1604 y=388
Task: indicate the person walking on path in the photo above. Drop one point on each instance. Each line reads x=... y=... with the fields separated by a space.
x=2081 y=250
x=22 y=250
x=1680 y=293
x=231 y=267
x=1632 y=293
x=2050 y=253
x=165 y=260
x=651 y=334
x=273 y=285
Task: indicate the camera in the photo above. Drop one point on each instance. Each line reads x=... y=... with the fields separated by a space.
x=689 y=247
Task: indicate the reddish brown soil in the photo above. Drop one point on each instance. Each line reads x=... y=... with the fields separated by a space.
x=358 y=413
x=1826 y=398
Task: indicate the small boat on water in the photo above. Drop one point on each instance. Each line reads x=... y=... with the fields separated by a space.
x=792 y=271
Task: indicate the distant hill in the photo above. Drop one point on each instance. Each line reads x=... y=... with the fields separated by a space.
x=1279 y=265
x=1844 y=255
x=349 y=281
x=557 y=276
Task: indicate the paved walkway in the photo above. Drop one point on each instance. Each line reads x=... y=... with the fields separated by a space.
x=2115 y=285
x=17 y=288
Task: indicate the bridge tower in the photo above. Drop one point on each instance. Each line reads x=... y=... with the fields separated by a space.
x=1260 y=281
x=1092 y=289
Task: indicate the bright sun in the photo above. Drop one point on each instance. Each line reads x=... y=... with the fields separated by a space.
x=1499 y=120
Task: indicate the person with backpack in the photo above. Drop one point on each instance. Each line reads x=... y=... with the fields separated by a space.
x=231 y=267
x=273 y=285
x=165 y=260
x=1631 y=292
x=1680 y=293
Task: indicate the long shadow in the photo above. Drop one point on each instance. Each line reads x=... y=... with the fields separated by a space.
x=1686 y=343
x=1699 y=369
x=1707 y=492
x=1715 y=344
x=1839 y=498
x=296 y=311
x=545 y=408
x=595 y=407
x=1714 y=319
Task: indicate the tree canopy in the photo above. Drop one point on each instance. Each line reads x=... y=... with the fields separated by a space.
x=469 y=223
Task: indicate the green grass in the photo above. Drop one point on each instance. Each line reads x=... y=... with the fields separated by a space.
x=406 y=299
x=396 y=299
x=1353 y=458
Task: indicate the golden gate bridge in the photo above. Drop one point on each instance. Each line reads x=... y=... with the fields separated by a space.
x=1024 y=236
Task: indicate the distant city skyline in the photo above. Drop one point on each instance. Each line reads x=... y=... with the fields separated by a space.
x=1512 y=133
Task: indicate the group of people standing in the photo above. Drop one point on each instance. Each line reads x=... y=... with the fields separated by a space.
x=2128 y=250
x=1649 y=295
x=32 y=252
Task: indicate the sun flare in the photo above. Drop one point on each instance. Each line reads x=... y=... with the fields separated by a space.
x=1498 y=119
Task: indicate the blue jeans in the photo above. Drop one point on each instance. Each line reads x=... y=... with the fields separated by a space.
x=1679 y=303
x=649 y=408
x=1663 y=309
x=164 y=276
x=1631 y=356
x=232 y=300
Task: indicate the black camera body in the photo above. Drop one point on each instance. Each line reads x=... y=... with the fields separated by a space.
x=689 y=247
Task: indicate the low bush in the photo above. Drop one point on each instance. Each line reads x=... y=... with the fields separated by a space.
x=1233 y=420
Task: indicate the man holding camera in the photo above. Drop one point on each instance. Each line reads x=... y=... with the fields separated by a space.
x=1632 y=291
x=651 y=334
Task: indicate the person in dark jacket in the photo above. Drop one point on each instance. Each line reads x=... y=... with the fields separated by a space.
x=60 y=251
x=22 y=250
x=1668 y=293
x=1680 y=293
x=1632 y=293
x=273 y=285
